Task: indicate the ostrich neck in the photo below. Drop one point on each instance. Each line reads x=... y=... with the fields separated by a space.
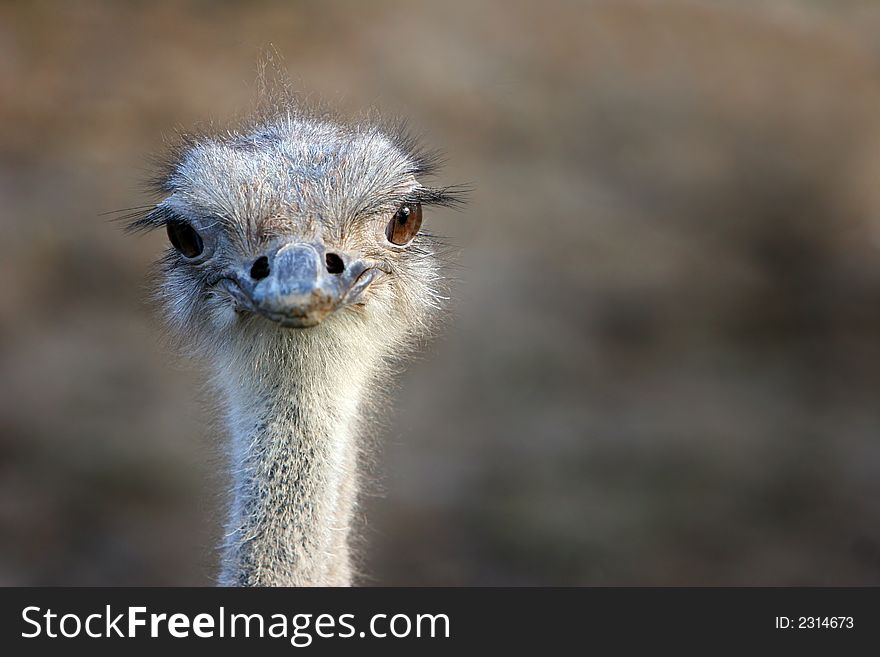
x=294 y=472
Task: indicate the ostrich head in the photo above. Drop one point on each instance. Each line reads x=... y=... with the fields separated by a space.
x=297 y=269
x=298 y=225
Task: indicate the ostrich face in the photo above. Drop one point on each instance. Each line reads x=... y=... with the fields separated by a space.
x=296 y=223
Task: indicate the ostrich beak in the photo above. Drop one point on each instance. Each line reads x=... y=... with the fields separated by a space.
x=299 y=285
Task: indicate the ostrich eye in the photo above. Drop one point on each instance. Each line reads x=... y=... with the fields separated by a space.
x=185 y=239
x=404 y=224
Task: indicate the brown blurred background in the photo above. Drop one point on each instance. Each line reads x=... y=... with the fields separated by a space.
x=663 y=364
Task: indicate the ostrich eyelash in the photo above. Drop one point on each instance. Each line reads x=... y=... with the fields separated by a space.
x=156 y=217
x=453 y=196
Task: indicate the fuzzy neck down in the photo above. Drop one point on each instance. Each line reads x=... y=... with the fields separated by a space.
x=292 y=407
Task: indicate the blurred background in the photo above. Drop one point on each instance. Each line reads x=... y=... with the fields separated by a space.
x=662 y=364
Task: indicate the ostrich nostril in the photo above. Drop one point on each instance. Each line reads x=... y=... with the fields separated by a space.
x=335 y=265
x=260 y=268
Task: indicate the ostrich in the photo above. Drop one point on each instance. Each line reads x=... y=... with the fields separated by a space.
x=298 y=272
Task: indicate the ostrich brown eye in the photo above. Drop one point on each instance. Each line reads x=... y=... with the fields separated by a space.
x=404 y=224
x=185 y=239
